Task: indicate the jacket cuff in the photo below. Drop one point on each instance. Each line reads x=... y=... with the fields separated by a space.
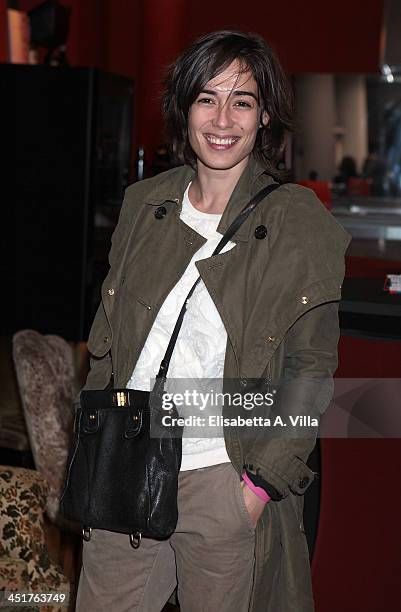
x=294 y=476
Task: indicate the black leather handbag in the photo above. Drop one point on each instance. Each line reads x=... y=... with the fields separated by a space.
x=123 y=467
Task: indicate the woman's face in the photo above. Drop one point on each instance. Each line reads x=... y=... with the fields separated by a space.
x=224 y=119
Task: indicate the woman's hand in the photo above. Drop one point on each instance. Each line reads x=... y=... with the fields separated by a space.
x=253 y=503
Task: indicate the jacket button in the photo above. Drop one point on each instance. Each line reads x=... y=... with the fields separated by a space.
x=270 y=338
x=304 y=299
x=106 y=339
x=111 y=291
x=160 y=212
x=260 y=232
x=303 y=482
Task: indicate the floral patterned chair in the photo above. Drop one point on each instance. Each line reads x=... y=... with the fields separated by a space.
x=46 y=381
x=25 y=563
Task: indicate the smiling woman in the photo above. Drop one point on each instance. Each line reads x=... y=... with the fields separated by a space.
x=225 y=98
x=225 y=117
x=232 y=67
x=223 y=123
x=263 y=306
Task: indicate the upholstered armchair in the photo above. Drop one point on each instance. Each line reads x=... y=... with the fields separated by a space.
x=25 y=563
x=46 y=379
x=46 y=376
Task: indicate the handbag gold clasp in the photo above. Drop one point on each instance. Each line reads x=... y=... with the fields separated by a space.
x=120 y=398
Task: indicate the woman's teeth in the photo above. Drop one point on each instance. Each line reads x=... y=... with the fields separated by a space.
x=221 y=141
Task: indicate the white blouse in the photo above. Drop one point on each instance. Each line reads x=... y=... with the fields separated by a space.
x=199 y=352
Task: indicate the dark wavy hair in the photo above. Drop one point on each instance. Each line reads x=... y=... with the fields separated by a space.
x=206 y=58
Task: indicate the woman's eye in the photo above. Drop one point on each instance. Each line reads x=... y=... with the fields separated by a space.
x=243 y=104
x=237 y=103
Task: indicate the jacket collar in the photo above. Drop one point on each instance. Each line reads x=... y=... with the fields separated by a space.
x=171 y=186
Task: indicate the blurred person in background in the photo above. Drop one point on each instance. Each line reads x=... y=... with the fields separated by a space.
x=346 y=170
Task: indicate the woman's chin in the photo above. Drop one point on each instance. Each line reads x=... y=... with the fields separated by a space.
x=222 y=162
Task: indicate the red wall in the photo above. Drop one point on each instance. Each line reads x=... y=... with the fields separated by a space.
x=311 y=36
x=3 y=31
x=138 y=38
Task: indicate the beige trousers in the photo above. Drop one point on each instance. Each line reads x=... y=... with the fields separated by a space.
x=210 y=556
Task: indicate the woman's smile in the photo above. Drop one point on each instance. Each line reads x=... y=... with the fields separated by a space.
x=220 y=143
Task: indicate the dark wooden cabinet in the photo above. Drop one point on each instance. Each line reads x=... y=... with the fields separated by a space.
x=66 y=139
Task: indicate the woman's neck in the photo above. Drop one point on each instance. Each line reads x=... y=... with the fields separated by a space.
x=211 y=189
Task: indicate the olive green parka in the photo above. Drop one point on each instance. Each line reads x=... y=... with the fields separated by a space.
x=278 y=299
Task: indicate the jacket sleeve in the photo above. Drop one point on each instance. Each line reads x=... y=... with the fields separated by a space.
x=101 y=332
x=310 y=239
x=306 y=388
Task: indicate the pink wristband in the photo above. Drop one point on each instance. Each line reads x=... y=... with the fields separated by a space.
x=261 y=493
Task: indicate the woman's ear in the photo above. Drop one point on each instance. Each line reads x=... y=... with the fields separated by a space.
x=264 y=119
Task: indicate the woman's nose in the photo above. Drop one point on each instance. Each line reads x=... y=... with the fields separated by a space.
x=222 y=118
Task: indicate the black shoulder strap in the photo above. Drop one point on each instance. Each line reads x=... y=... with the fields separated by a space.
x=228 y=234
